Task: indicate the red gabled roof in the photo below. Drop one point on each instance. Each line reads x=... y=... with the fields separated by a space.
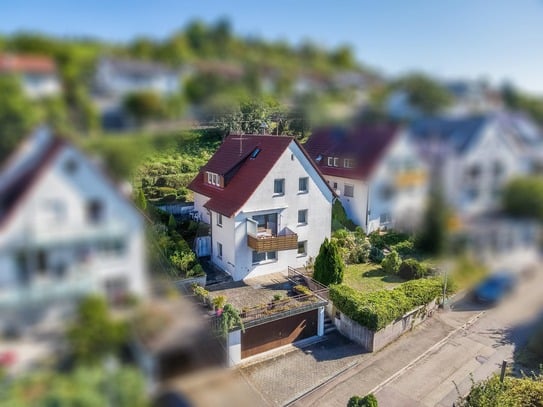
x=26 y=63
x=365 y=144
x=13 y=193
x=249 y=172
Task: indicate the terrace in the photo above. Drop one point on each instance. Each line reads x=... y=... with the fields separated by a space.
x=271 y=297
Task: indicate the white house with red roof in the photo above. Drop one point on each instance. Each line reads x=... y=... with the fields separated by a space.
x=268 y=205
x=65 y=230
x=38 y=74
x=375 y=171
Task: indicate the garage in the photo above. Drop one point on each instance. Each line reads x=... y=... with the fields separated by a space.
x=261 y=338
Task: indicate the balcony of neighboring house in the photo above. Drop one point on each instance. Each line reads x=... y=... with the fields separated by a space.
x=263 y=234
x=41 y=287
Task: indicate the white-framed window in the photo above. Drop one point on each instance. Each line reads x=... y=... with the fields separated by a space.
x=302 y=248
x=213 y=179
x=219 y=220
x=303 y=184
x=279 y=186
x=336 y=161
x=348 y=163
x=330 y=161
x=302 y=216
x=348 y=190
x=263 y=257
x=219 y=250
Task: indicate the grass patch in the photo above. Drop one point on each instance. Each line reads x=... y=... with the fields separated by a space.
x=369 y=277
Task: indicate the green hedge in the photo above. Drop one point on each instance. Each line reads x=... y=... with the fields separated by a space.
x=378 y=309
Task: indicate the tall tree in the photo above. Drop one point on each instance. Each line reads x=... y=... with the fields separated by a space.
x=329 y=265
x=17 y=114
x=424 y=92
x=433 y=234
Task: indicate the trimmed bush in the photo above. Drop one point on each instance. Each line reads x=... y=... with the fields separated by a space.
x=329 y=265
x=405 y=248
x=411 y=269
x=377 y=309
x=366 y=401
x=391 y=263
x=376 y=255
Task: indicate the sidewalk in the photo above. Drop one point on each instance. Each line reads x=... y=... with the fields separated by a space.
x=303 y=377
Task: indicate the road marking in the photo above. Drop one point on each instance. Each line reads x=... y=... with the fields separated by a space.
x=425 y=353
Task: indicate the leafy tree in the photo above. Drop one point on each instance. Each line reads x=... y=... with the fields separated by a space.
x=143 y=105
x=523 y=197
x=141 y=202
x=329 y=265
x=391 y=262
x=94 y=334
x=17 y=114
x=432 y=237
x=424 y=93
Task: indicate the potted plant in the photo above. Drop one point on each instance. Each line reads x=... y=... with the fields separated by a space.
x=218 y=303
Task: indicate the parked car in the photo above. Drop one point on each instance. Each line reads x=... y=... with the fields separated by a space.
x=495 y=287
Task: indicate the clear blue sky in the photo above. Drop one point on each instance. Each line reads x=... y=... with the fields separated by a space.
x=462 y=38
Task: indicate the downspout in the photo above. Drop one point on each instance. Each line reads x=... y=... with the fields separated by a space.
x=367 y=206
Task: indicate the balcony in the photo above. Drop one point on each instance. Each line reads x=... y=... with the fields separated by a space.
x=265 y=241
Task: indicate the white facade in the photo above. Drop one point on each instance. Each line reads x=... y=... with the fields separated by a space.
x=393 y=196
x=119 y=78
x=472 y=180
x=229 y=235
x=40 y=85
x=72 y=233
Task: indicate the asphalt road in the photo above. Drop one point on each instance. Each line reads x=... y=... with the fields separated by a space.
x=478 y=341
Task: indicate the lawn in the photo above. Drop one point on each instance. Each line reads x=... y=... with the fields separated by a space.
x=369 y=277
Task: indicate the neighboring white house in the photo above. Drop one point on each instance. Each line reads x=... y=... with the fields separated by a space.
x=65 y=230
x=474 y=157
x=119 y=77
x=268 y=205
x=38 y=74
x=471 y=97
x=376 y=173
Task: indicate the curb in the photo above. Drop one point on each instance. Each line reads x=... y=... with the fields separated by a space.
x=425 y=353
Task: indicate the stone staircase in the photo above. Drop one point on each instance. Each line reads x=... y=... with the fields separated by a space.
x=328 y=325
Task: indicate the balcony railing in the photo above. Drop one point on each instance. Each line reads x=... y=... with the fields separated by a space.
x=267 y=242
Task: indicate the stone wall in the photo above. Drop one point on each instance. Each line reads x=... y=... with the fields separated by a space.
x=373 y=341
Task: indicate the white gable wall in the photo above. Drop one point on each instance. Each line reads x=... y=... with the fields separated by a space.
x=237 y=255
x=53 y=217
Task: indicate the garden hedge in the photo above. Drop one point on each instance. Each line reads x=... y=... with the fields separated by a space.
x=378 y=309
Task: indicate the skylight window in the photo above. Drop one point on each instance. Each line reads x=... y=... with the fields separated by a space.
x=255 y=153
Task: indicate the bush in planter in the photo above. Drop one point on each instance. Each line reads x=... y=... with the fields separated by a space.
x=411 y=269
x=230 y=319
x=366 y=401
x=391 y=263
x=218 y=302
x=196 y=271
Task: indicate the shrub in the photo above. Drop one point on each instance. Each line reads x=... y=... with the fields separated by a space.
x=302 y=289
x=196 y=271
x=411 y=269
x=512 y=392
x=277 y=297
x=405 y=248
x=366 y=401
x=353 y=246
x=376 y=255
x=200 y=292
x=230 y=319
x=391 y=262
x=329 y=265
x=377 y=309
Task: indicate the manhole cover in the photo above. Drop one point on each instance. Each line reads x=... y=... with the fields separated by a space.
x=481 y=359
